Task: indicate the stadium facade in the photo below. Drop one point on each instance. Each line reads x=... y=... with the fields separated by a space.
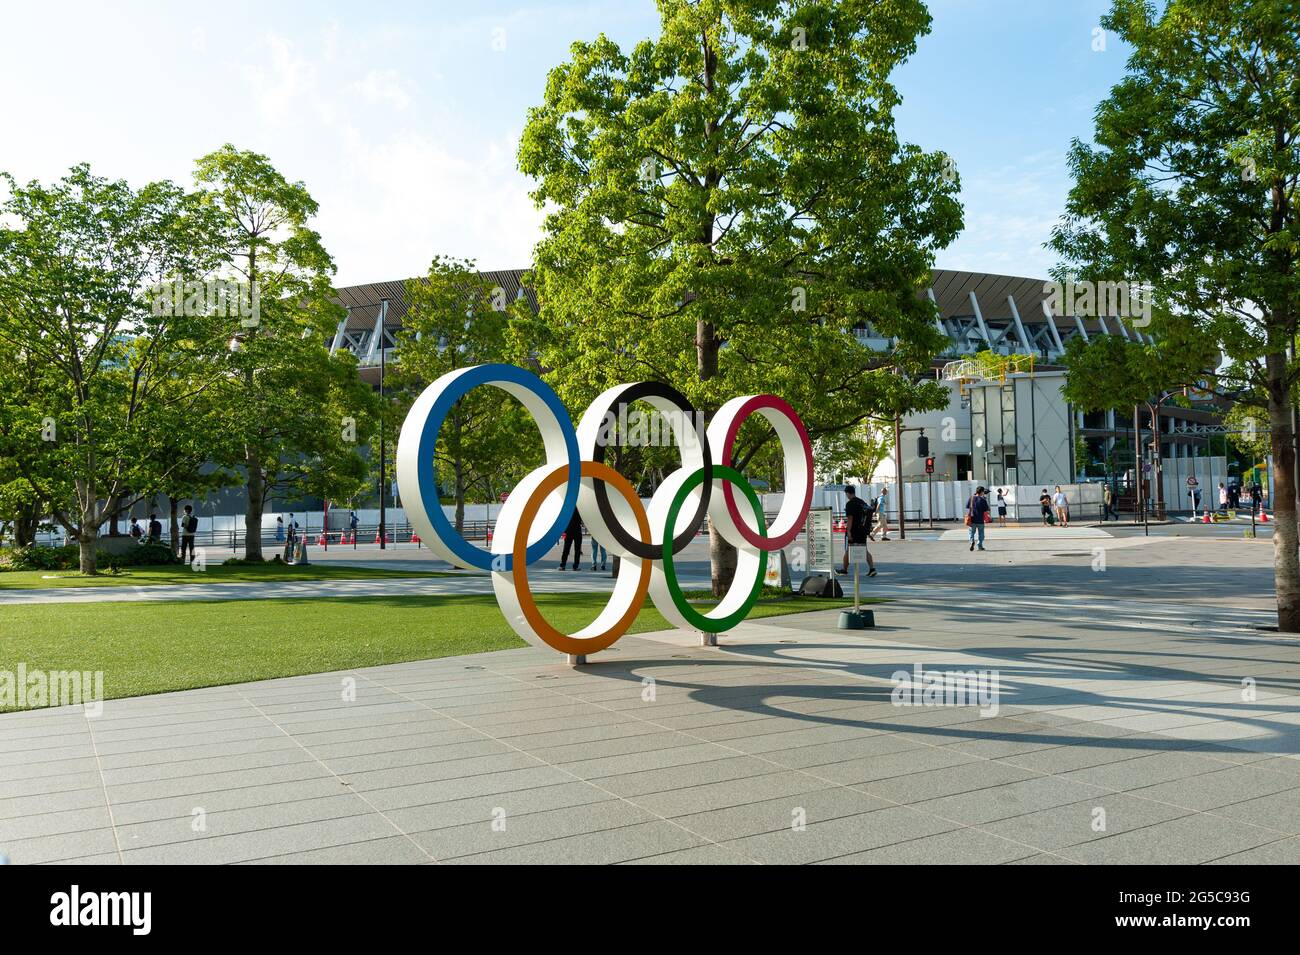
x=1016 y=428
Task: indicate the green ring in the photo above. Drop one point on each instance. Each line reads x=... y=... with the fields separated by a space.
x=698 y=620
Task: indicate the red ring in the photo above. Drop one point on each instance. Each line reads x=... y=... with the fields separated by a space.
x=747 y=409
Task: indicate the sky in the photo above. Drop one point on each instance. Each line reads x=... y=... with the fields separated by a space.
x=402 y=118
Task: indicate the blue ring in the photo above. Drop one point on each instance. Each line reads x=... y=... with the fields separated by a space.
x=428 y=479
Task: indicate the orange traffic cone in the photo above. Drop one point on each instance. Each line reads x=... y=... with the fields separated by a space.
x=1263 y=516
x=1206 y=519
x=415 y=538
x=320 y=541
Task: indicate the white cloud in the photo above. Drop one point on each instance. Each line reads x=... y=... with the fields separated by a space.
x=384 y=86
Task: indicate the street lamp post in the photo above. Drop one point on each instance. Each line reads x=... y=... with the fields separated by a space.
x=383 y=484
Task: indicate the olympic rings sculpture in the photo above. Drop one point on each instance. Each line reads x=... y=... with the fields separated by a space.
x=536 y=513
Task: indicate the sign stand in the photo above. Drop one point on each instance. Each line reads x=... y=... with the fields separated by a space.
x=857 y=618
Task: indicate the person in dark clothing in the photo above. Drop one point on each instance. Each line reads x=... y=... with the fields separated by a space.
x=858 y=517
x=977 y=512
x=189 y=524
x=155 y=529
x=1045 y=504
x=573 y=538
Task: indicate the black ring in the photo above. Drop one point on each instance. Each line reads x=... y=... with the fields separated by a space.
x=635 y=392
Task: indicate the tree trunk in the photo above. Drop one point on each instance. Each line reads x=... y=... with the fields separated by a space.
x=253 y=512
x=87 y=557
x=722 y=562
x=1286 y=556
x=460 y=497
x=722 y=555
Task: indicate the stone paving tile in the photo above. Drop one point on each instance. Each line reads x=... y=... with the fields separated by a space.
x=246 y=846
x=1188 y=840
x=671 y=778
x=1283 y=852
x=815 y=756
x=1229 y=785
x=481 y=809
x=41 y=785
x=931 y=784
x=19 y=806
x=959 y=847
x=446 y=790
x=596 y=848
x=700 y=855
x=721 y=795
x=682 y=755
x=784 y=813
x=394 y=850
x=57 y=848
x=249 y=819
x=414 y=773
x=241 y=797
x=1013 y=799
x=1042 y=858
x=837 y=837
x=1145 y=770
x=1278 y=811
x=206 y=782
x=507 y=831
x=59 y=822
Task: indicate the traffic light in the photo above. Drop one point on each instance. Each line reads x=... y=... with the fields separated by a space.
x=922 y=446
x=929 y=465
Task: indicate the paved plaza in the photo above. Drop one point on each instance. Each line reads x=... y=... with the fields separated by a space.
x=1142 y=715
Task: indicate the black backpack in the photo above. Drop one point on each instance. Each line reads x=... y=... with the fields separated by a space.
x=191 y=524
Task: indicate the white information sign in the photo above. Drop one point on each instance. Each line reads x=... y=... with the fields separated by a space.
x=821 y=539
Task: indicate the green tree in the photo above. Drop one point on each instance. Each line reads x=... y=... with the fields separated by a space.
x=300 y=413
x=455 y=318
x=728 y=202
x=1190 y=188
x=79 y=268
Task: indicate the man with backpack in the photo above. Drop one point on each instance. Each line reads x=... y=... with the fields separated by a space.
x=858 y=515
x=189 y=524
x=155 y=528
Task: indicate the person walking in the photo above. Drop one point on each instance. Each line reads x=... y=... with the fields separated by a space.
x=1256 y=497
x=857 y=528
x=189 y=524
x=279 y=527
x=1062 y=505
x=599 y=555
x=1108 y=503
x=880 y=507
x=977 y=515
x=573 y=539
x=353 y=521
x=1045 y=504
x=1002 y=507
x=1223 y=497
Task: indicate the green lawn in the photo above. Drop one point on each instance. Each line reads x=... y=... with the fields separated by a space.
x=174 y=645
x=212 y=574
